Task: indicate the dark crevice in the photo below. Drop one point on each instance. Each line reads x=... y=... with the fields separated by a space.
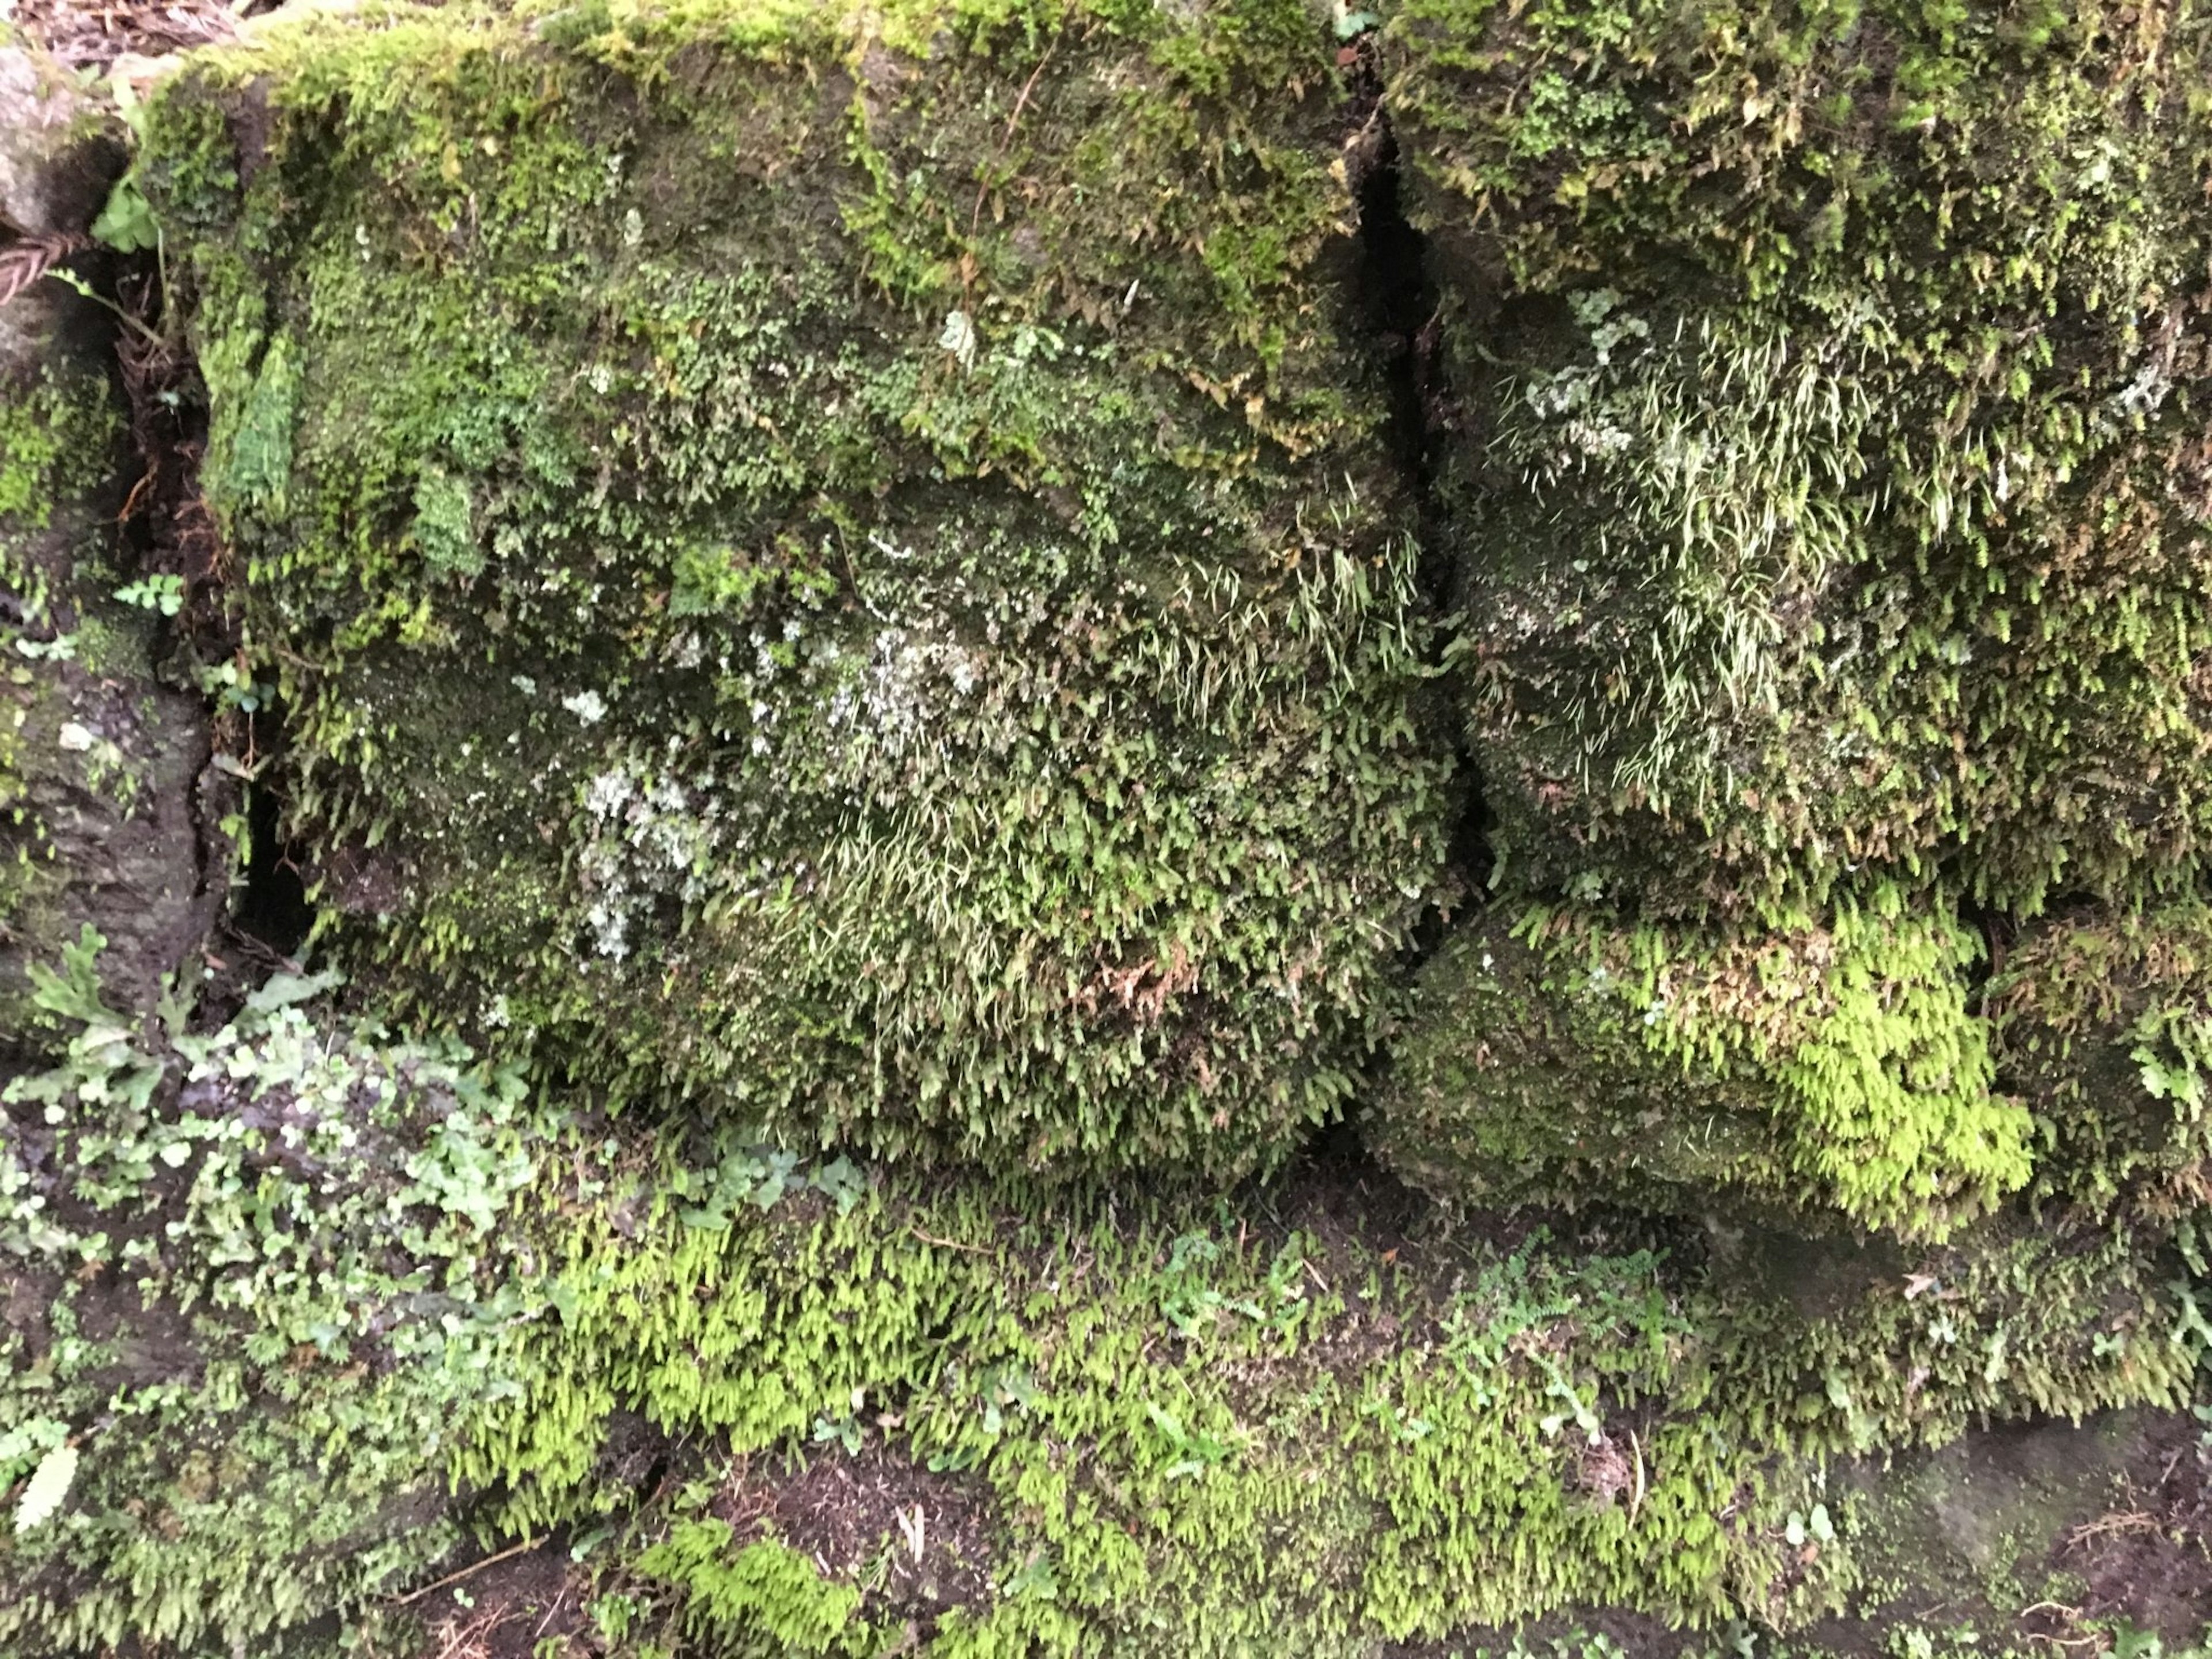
x=1397 y=311
x=1998 y=930
x=273 y=908
x=255 y=917
x=1402 y=314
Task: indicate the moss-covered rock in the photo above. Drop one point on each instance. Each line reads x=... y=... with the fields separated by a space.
x=1833 y=488
x=842 y=574
x=1554 y=1055
x=839 y=570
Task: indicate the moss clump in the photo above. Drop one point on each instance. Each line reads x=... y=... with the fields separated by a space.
x=315 y=1302
x=1558 y=1055
x=839 y=569
x=1840 y=495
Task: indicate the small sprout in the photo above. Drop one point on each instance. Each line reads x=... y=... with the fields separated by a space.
x=163 y=593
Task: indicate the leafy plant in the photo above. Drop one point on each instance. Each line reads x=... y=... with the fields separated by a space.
x=1191 y=1452
x=48 y=1488
x=161 y=593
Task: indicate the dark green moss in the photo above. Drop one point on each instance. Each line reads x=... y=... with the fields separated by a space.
x=1837 y=492
x=849 y=575
x=2099 y=1022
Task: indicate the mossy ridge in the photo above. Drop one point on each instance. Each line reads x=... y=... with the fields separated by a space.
x=1555 y=1431
x=1828 y=1067
x=1933 y=599
x=304 y=1277
x=963 y=699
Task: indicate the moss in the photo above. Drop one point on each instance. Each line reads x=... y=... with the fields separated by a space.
x=842 y=574
x=766 y=1591
x=2099 y=1022
x=845 y=567
x=306 y=1277
x=1839 y=496
x=1558 y=1054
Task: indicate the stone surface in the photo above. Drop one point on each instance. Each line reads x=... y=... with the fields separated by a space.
x=100 y=758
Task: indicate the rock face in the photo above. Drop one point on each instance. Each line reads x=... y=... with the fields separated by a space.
x=861 y=587
x=864 y=604
x=1827 y=500
x=99 y=760
x=861 y=575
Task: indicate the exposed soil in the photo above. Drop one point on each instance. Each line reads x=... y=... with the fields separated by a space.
x=2149 y=1557
x=94 y=34
x=918 y=1542
x=503 y=1610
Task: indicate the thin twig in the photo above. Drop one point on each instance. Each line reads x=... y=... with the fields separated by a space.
x=472 y=1569
x=949 y=1244
x=983 y=181
x=1005 y=139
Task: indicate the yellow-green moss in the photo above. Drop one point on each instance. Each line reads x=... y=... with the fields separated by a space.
x=1555 y=1054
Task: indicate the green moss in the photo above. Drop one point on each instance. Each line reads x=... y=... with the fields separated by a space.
x=304 y=1277
x=851 y=580
x=765 y=1591
x=1838 y=500
x=1559 y=1055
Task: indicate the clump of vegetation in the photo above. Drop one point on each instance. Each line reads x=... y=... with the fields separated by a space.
x=1556 y=1056
x=1821 y=482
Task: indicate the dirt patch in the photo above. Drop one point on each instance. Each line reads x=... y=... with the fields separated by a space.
x=2148 y=1557
x=504 y=1608
x=918 y=1542
x=94 y=34
x=1636 y=1634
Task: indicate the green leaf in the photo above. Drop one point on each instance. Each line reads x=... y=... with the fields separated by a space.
x=126 y=222
x=283 y=990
